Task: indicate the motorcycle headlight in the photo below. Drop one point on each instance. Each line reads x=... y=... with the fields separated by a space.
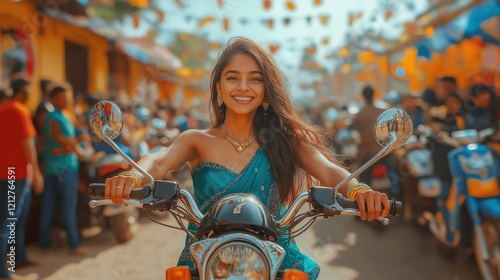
x=237 y=260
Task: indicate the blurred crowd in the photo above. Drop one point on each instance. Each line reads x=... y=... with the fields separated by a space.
x=54 y=150
x=54 y=153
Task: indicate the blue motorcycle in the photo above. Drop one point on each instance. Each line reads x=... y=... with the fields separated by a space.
x=476 y=178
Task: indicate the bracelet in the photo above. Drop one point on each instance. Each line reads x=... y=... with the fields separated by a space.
x=353 y=190
x=137 y=183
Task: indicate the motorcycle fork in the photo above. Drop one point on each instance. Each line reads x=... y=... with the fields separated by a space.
x=478 y=231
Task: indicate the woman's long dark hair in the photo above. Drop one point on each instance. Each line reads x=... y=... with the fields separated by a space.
x=279 y=126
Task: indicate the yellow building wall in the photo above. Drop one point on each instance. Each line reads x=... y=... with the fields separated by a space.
x=48 y=37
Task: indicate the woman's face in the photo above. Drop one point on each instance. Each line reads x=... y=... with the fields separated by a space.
x=241 y=85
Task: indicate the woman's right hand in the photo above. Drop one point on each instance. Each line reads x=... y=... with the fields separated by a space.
x=119 y=187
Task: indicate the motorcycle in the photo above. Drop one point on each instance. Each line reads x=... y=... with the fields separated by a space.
x=420 y=186
x=123 y=221
x=476 y=179
x=236 y=237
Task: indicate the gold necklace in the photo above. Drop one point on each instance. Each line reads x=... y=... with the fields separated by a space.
x=239 y=147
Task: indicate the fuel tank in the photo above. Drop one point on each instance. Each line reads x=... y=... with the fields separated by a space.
x=238 y=212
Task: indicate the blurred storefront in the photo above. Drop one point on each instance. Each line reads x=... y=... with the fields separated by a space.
x=57 y=41
x=451 y=38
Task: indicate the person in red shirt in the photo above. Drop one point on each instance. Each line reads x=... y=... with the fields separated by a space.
x=18 y=171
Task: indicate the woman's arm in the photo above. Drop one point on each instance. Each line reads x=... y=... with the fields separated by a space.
x=157 y=165
x=321 y=168
x=330 y=174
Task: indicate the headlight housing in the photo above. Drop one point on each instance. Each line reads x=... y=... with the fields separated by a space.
x=237 y=260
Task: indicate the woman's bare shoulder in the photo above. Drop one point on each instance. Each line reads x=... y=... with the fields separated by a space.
x=197 y=134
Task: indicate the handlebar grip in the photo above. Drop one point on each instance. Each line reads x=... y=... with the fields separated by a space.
x=396 y=207
x=96 y=190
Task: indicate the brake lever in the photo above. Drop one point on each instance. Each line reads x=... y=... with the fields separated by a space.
x=384 y=221
x=101 y=202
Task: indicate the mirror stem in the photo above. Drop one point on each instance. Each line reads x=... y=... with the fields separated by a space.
x=386 y=150
x=115 y=147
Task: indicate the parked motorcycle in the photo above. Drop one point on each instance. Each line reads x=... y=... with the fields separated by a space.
x=475 y=183
x=123 y=221
x=236 y=237
x=420 y=186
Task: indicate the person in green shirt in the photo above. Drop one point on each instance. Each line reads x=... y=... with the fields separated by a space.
x=61 y=172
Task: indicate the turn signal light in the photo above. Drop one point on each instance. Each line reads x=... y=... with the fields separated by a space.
x=179 y=273
x=292 y=274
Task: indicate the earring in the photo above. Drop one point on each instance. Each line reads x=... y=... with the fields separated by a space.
x=220 y=101
x=265 y=105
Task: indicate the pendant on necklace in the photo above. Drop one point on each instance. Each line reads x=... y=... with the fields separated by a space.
x=239 y=148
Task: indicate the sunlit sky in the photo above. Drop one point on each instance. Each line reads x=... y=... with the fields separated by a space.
x=292 y=38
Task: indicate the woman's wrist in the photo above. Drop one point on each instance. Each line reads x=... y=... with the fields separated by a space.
x=136 y=176
x=353 y=190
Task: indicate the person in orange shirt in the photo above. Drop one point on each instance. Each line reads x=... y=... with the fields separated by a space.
x=18 y=171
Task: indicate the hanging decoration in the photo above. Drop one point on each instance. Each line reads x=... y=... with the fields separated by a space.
x=270 y=24
x=139 y=3
x=353 y=17
x=267 y=4
x=225 y=23
x=135 y=18
x=160 y=15
x=290 y=5
x=318 y=2
x=286 y=21
x=325 y=41
x=346 y=68
x=220 y=3
x=388 y=14
x=308 y=20
x=273 y=48
x=324 y=19
x=203 y=22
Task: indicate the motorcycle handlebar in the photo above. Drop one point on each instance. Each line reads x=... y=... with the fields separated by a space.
x=96 y=190
x=396 y=207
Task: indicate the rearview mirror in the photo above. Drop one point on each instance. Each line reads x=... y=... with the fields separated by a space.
x=393 y=123
x=106 y=118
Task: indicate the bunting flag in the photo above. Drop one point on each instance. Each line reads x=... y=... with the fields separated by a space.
x=290 y=5
x=160 y=15
x=215 y=46
x=273 y=48
x=324 y=19
x=139 y=3
x=220 y=3
x=205 y=21
x=325 y=41
x=311 y=50
x=318 y=2
x=308 y=20
x=267 y=4
x=135 y=18
x=354 y=17
x=388 y=14
x=270 y=24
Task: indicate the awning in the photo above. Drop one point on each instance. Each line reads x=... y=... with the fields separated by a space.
x=143 y=49
x=148 y=52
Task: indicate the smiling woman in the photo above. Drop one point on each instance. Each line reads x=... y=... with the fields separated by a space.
x=258 y=144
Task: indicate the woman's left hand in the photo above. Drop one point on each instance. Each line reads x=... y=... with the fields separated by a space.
x=372 y=205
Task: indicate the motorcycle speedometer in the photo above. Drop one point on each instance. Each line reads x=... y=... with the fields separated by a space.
x=237 y=260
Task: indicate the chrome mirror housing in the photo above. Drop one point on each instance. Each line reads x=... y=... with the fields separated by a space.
x=106 y=118
x=393 y=123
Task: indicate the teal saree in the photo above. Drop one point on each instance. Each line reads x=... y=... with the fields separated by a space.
x=213 y=181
